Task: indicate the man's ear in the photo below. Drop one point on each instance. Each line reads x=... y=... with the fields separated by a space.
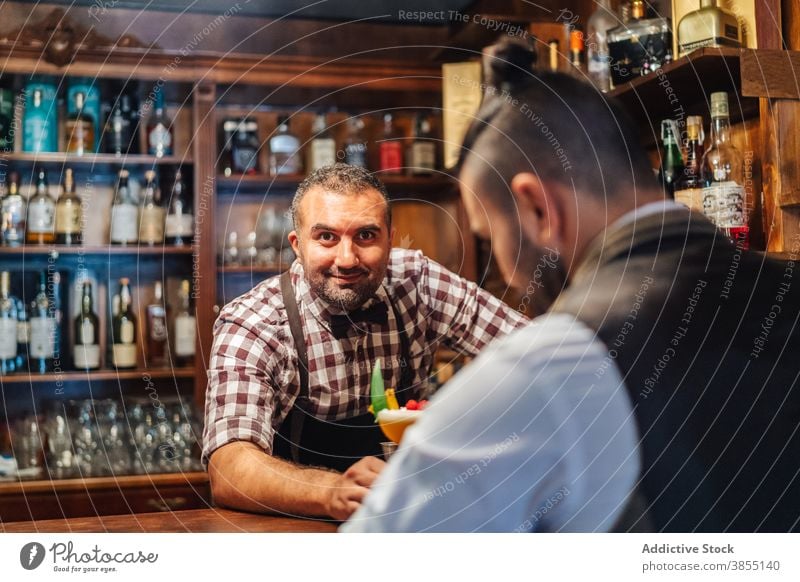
x=295 y=242
x=541 y=210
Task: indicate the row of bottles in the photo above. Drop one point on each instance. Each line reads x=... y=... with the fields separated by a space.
x=31 y=338
x=710 y=181
x=84 y=128
x=41 y=220
x=397 y=153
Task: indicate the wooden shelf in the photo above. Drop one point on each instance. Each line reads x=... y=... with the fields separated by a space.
x=684 y=88
x=96 y=159
x=395 y=183
x=96 y=250
x=16 y=486
x=97 y=375
x=256 y=270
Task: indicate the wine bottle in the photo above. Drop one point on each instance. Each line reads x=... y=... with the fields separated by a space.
x=157 y=328
x=422 y=151
x=671 y=159
x=86 y=351
x=179 y=226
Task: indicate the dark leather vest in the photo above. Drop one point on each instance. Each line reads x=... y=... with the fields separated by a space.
x=705 y=337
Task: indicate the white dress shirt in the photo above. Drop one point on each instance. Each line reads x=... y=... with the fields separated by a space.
x=536 y=434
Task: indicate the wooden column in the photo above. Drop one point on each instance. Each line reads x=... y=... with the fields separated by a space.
x=204 y=266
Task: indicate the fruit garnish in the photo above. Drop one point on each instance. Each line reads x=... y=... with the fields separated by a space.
x=376 y=390
x=423 y=404
x=391 y=399
x=412 y=405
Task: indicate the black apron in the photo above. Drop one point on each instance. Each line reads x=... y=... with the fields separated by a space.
x=308 y=440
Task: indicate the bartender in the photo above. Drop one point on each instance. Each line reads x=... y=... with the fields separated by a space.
x=287 y=425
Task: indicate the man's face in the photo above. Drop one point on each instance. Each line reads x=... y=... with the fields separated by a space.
x=343 y=243
x=534 y=271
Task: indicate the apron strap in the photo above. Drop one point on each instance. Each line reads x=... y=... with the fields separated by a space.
x=295 y=324
x=406 y=373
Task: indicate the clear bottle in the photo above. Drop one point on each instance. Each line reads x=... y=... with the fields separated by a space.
x=284 y=151
x=123 y=334
x=86 y=351
x=41 y=214
x=598 y=59
x=185 y=327
x=322 y=150
x=43 y=329
x=355 y=146
x=724 y=199
x=671 y=158
x=159 y=128
x=8 y=326
x=79 y=129
x=689 y=188
x=151 y=229
x=124 y=213
x=391 y=148
x=13 y=209
x=157 y=328
x=422 y=151
x=179 y=225
x=69 y=213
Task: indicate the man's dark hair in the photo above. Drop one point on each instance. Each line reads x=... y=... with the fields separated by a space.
x=555 y=126
x=341 y=179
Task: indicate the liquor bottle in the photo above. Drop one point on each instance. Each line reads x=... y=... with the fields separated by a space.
x=709 y=26
x=724 y=200
x=322 y=151
x=151 y=229
x=6 y=117
x=157 y=328
x=355 y=146
x=90 y=88
x=185 y=327
x=422 y=151
x=69 y=214
x=391 y=148
x=244 y=146
x=40 y=122
x=598 y=59
x=689 y=188
x=41 y=214
x=123 y=334
x=179 y=226
x=284 y=151
x=86 y=351
x=121 y=134
x=8 y=326
x=576 y=47
x=13 y=211
x=671 y=159
x=79 y=129
x=43 y=329
x=23 y=336
x=124 y=213
x=159 y=129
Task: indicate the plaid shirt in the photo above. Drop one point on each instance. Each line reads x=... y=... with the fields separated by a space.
x=253 y=375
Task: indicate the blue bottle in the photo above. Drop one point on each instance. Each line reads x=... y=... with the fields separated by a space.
x=40 y=122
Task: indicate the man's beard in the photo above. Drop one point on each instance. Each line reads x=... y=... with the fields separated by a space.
x=346 y=298
x=541 y=279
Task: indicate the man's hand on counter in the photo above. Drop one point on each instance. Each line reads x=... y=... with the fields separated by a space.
x=351 y=487
x=244 y=477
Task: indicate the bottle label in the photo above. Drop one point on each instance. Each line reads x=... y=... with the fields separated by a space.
x=723 y=204
x=126 y=332
x=181 y=225
x=80 y=136
x=323 y=153
x=152 y=227
x=68 y=218
x=184 y=335
x=87 y=356
x=23 y=332
x=41 y=217
x=124 y=220
x=160 y=140
x=43 y=335
x=158 y=326
x=124 y=355
x=245 y=159
x=13 y=219
x=423 y=156
x=692 y=198
x=87 y=332
x=37 y=136
x=355 y=154
x=391 y=156
x=8 y=338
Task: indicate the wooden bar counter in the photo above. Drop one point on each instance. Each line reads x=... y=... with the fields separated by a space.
x=209 y=520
